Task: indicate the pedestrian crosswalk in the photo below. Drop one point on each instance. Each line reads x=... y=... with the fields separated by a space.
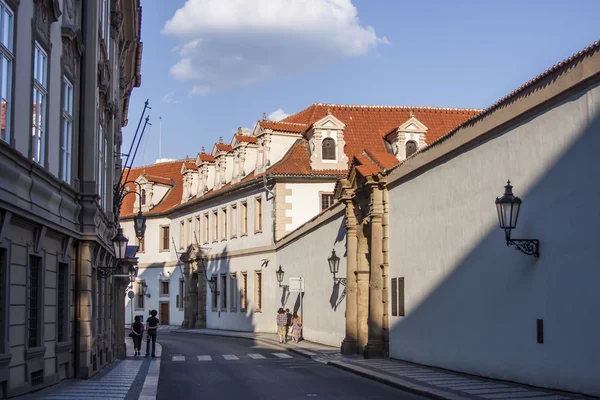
x=233 y=357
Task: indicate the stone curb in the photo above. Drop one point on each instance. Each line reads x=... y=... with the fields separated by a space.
x=366 y=373
x=150 y=388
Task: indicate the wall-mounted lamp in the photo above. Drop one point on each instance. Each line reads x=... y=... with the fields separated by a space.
x=212 y=283
x=508 y=207
x=279 y=273
x=145 y=289
x=334 y=267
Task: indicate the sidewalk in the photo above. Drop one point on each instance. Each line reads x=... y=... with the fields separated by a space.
x=130 y=379
x=419 y=379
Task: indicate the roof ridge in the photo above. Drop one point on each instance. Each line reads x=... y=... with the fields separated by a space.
x=400 y=107
x=161 y=163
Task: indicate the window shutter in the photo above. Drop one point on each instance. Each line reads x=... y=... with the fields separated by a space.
x=401 y=310
x=394 y=297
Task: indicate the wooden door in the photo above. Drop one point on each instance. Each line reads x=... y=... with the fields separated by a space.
x=164 y=314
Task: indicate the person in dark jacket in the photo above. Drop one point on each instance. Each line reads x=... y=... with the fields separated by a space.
x=152 y=328
x=137 y=329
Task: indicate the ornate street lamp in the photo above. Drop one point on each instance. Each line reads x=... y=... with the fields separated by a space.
x=139 y=223
x=120 y=244
x=334 y=267
x=212 y=283
x=279 y=274
x=508 y=207
x=145 y=289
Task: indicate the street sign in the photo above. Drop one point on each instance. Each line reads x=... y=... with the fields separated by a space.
x=296 y=284
x=130 y=294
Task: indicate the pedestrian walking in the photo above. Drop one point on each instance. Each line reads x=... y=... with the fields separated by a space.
x=296 y=327
x=137 y=332
x=282 y=326
x=152 y=328
x=289 y=321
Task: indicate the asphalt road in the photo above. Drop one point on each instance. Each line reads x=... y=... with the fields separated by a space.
x=211 y=367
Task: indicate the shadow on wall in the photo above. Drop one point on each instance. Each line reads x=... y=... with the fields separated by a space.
x=336 y=297
x=482 y=317
x=227 y=301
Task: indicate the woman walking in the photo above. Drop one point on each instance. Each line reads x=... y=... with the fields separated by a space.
x=296 y=327
x=137 y=329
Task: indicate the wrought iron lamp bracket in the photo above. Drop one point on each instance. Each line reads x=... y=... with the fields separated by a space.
x=342 y=281
x=531 y=247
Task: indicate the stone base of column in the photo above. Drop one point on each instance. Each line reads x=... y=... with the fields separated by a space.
x=185 y=324
x=349 y=347
x=374 y=350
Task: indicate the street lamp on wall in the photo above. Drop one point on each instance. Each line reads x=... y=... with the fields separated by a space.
x=334 y=267
x=145 y=289
x=279 y=274
x=212 y=283
x=508 y=207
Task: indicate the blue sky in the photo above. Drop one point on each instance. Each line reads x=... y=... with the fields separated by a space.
x=210 y=66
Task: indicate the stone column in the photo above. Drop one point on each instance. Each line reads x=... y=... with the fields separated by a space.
x=200 y=284
x=119 y=285
x=362 y=288
x=85 y=309
x=350 y=343
x=188 y=303
x=375 y=346
x=386 y=270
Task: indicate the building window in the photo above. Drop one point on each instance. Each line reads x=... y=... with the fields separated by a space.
x=34 y=309
x=66 y=146
x=244 y=227
x=143 y=196
x=206 y=228
x=223 y=293
x=258 y=291
x=62 y=302
x=224 y=221
x=215 y=226
x=398 y=309
x=100 y=161
x=100 y=299
x=141 y=245
x=244 y=292
x=163 y=289
x=6 y=63
x=326 y=200
x=197 y=230
x=164 y=238
x=181 y=235
x=411 y=148
x=3 y=297
x=234 y=291
x=233 y=221
x=214 y=297
x=258 y=214
x=139 y=295
x=328 y=149
x=189 y=232
x=40 y=95
x=180 y=295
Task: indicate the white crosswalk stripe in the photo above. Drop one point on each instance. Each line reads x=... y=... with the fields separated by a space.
x=230 y=357
x=204 y=358
x=282 y=355
x=257 y=356
x=178 y=358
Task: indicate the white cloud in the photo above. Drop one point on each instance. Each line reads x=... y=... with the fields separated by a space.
x=277 y=115
x=169 y=98
x=233 y=43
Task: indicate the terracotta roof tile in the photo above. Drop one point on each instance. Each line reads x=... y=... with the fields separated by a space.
x=297 y=162
x=282 y=126
x=206 y=157
x=159 y=179
x=223 y=147
x=247 y=139
x=383 y=159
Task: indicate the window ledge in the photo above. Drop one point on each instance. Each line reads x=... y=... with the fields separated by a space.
x=139 y=309
x=35 y=352
x=233 y=237
x=5 y=359
x=63 y=347
x=258 y=231
x=244 y=234
x=163 y=295
x=223 y=239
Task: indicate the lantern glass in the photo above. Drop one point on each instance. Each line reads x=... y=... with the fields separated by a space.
x=279 y=274
x=139 y=222
x=120 y=244
x=508 y=207
x=334 y=263
x=212 y=283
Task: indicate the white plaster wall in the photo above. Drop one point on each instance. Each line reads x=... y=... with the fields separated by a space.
x=280 y=145
x=151 y=276
x=228 y=167
x=152 y=240
x=471 y=302
x=324 y=301
x=210 y=183
x=250 y=161
x=306 y=201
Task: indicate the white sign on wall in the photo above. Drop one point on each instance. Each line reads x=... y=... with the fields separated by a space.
x=296 y=284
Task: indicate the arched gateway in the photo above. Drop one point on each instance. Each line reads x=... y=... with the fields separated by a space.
x=194 y=301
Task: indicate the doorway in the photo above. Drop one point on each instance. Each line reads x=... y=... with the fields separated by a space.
x=164 y=313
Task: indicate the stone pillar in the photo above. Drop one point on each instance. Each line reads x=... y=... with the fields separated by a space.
x=350 y=342
x=386 y=270
x=200 y=300
x=267 y=150
x=375 y=346
x=189 y=299
x=119 y=285
x=86 y=303
x=362 y=288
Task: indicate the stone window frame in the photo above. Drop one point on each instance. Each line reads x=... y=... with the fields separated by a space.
x=244 y=218
x=258 y=290
x=323 y=193
x=161 y=292
x=406 y=148
x=258 y=214
x=188 y=231
x=223 y=292
x=214 y=296
x=181 y=294
x=66 y=137
x=139 y=295
x=244 y=292
x=397 y=297
x=34 y=356
x=161 y=232
x=66 y=261
x=44 y=88
x=233 y=219
x=224 y=223
x=333 y=147
x=206 y=224
x=13 y=6
x=233 y=290
x=215 y=226
x=197 y=220
x=182 y=234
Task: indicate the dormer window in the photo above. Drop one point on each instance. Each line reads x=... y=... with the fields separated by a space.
x=328 y=149
x=411 y=148
x=143 y=197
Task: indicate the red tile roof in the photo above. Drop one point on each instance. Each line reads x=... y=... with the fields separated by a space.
x=297 y=162
x=247 y=139
x=206 y=157
x=281 y=126
x=224 y=147
x=158 y=179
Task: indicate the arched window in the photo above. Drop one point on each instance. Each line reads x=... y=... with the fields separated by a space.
x=411 y=148
x=143 y=197
x=328 y=149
